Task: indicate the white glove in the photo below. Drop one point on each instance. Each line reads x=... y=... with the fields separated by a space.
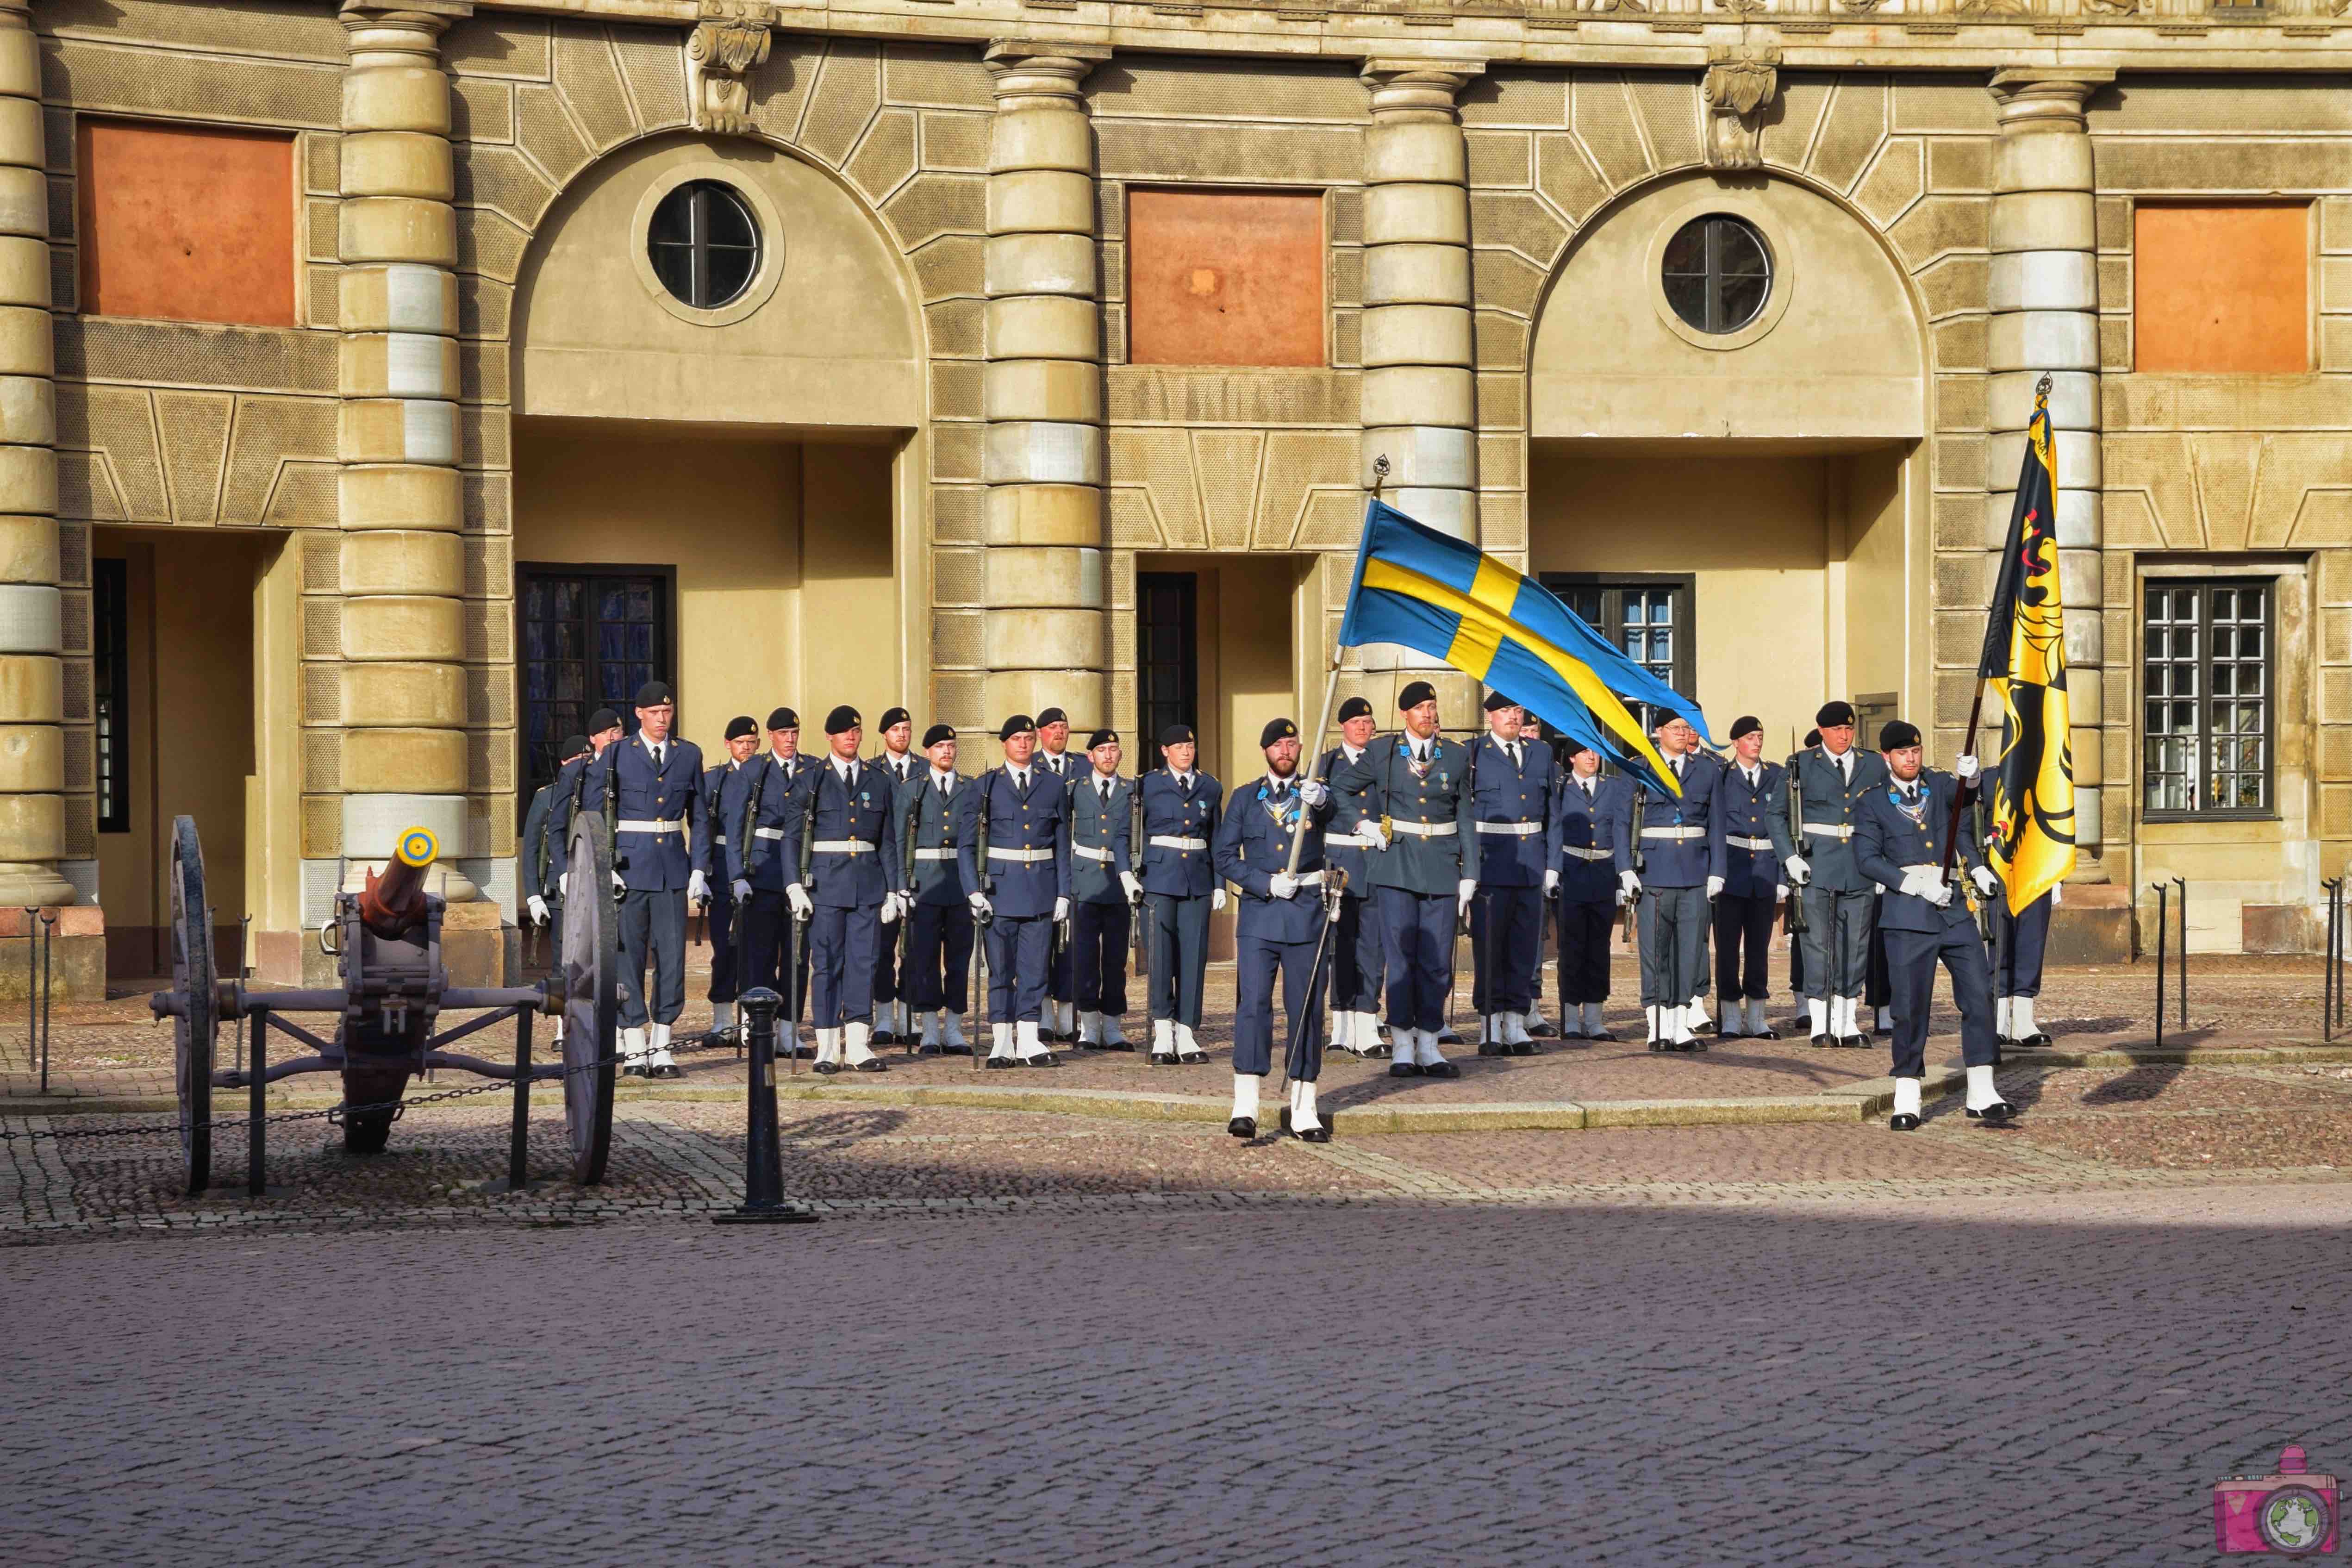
x=1942 y=896
x=563 y=883
x=1551 y=883
x=798 y=897
x=980 y=905
x=1628 y=884
x=620 y=883
x=1715 y=887
x=1372 y=830
x=1780 y=894
x=741 y=889
x=1967 y=768
x=1799 y=872
x=1314 y=792
x=1463 y=891
x=1061 y=910
x=1282 y=884
x=889 y=908
x=698 y=887
x=1986 y=883
x=1126 y=880
x=1921 y=883
x=1621 y=896
x=1216 y=898
x=538 y=908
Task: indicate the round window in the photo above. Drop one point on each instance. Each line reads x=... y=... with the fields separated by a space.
x=704 y=244
x=1717 y=273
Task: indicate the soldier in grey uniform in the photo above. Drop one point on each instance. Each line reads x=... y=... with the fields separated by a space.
x=756 y=802
x=1683 y=866
x=1754 y=801
x=570 y=790
x=843 y=826
x=1182 y=806
x=1585 y=811
x=743 y=741
x=1356 y=963
x=649 y=789
x=1830 y=781
x=1103 y=890
x=1539 y=1027
x=940 y=929
x=1020 y=890
x=1518 y=870
x=1054 y=757
x=893 y=1022
x=1900 y=830
x=543 y=855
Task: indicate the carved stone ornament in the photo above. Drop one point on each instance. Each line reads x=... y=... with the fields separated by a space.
x=1740 y=80
x=727 y=45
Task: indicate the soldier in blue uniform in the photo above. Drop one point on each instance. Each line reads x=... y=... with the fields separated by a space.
x=1898 y=843
x=743 y=741
x=940 y=929
x=1539 y=1027
x=1754 y=802
x=1054 y=756
x=893 y=1022
x=842 y=825
x=1586 y=809
x=1829 y=781
x=1519 y=869
x=649 y=788
x=1356 y=963
x=1020 y=890
x=1410 y=795
x=2018 y=941
x=1277 y=929
x=542 y=855
x=1683 y=864
x=757 y=799
x=570 y=792
x=1181 y=890
x=1103 y=889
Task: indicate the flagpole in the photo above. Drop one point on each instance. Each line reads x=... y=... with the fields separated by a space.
x=1330 y=695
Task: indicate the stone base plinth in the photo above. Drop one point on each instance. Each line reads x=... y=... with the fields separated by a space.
x=76 y=953
x=477 y=947
x=2091 y=924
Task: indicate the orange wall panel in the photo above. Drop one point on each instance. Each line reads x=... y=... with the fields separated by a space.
x=1224 y=278
x=2220 y=288
x=186 y=223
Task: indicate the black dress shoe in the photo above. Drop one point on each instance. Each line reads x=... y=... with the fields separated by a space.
x=949 y=1050
x=874 y=1064
x=1601 y=1034
x=670 y=1069
x=805 y=1053
x=1903 y=1121
x=1543 y=1029
x=1190 y=1058
x=1376 y=1052
x=1403 y=1069
x=1161 y=1058
x=1439 y=1070
x=1855 y=1042
x=1997 y=1114
x=1694 y=1044
x=636 y=1071
x=934 y=1050
x=1446 y=1036
x=1118 y=1046
x=1521 y=1048
x=1319 y=1133
x=1492 y=1048
x=826 y=1070
x=2036 y=1038
x=1042 y=1059
x=1769 y=1034
x=1662 y=1045
x=1243 y=1127
x=996 y=1064
x=1823 y=1041
x=885 y=1038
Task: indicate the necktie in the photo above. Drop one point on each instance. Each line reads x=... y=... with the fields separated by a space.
x=1514 y=750
x=658 y=759
x=1587 y=788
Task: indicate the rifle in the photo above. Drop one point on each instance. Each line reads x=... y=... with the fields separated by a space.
x=1634 y=853
x=807 y=876
x=980 y=922
x=1796 y=841
x=1135 y=906
x=910 y=800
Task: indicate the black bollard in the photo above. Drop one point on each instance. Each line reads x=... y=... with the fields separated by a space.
x=763 y=1173
x=2163 y=933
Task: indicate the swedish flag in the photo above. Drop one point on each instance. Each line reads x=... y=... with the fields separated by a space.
x=1441 y=597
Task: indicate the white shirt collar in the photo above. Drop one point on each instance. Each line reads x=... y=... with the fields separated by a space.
x=1019 y=773
x=942 y=778
x=1351 y=753
x=1184 y=779
x=845 y=767
x=1102 y=781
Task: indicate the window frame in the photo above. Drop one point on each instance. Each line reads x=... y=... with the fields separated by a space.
x=110 y=586
x=1611 y=587
x=698 y=244
x=1712 y=277
x=2200 y=775
x=1186 y=703
x=664 y=655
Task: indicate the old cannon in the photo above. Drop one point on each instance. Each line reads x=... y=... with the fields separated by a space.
x=388 y=1012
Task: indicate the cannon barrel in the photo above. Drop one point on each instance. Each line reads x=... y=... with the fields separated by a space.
x=394 y=903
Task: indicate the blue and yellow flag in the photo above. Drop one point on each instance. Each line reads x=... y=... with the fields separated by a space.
x=1441 y=597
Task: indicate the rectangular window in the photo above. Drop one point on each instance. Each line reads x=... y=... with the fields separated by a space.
x=186 y=223
x=2221 y=288
x=1648 y=618
x=1168 y=658
x=1224 y=278
x=590 y=637
x=2205 y=689
x=110 y=669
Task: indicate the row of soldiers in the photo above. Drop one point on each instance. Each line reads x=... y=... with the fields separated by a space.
x=1055 y=861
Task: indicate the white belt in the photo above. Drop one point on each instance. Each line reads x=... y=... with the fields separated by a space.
x=1026 y=857
x=1422 y=829
x=1760 y=846
x=1346 y=841
x=1088 y=852
x=650 y=825
x=1674 y=833
x=1172 y=841
x=1585 y=854
x=1512 y=829
x=841 y=847
x=1828 y=830
x=935 y=854
x=767 y=832
x=722 y=839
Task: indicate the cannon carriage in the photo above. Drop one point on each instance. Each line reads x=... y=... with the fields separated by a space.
x=387 y=1015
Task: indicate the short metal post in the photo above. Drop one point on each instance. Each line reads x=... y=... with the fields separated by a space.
x=2183 y=887
x=257 y=1129
x=519 y=1134
x=2335 y=958
x=2327 y=969
x=48 y=983
x=32 y=992
x=244 y=973
x=764 y=1161
x=2163 y=935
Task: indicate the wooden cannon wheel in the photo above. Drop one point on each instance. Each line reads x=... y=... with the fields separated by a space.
x=592 y=993
x=196 y=1027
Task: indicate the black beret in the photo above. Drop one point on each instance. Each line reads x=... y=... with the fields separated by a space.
x=1052 y=716
x=1102 y=738
x=1833 y=714
x=1354 y=708
x=1415 y=694
x=894 y=717
x=841 y=719
x=1176 y=735
x=1664 y=717
x=783 y=719
x=1575 y=746
x=1016 y=725
x=601 y=719
x=740 y=726
x=1812 y=737
x=1746 y=724
x=1497 y=702
x=573 y=746
x=1276 y=730
x=936 y=733
x=653 y=694
x=1897 y=733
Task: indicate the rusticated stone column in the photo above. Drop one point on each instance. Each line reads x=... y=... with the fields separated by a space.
x=2044 y=299
x=1043 y=626
x=32 y=742
x=399 y=686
